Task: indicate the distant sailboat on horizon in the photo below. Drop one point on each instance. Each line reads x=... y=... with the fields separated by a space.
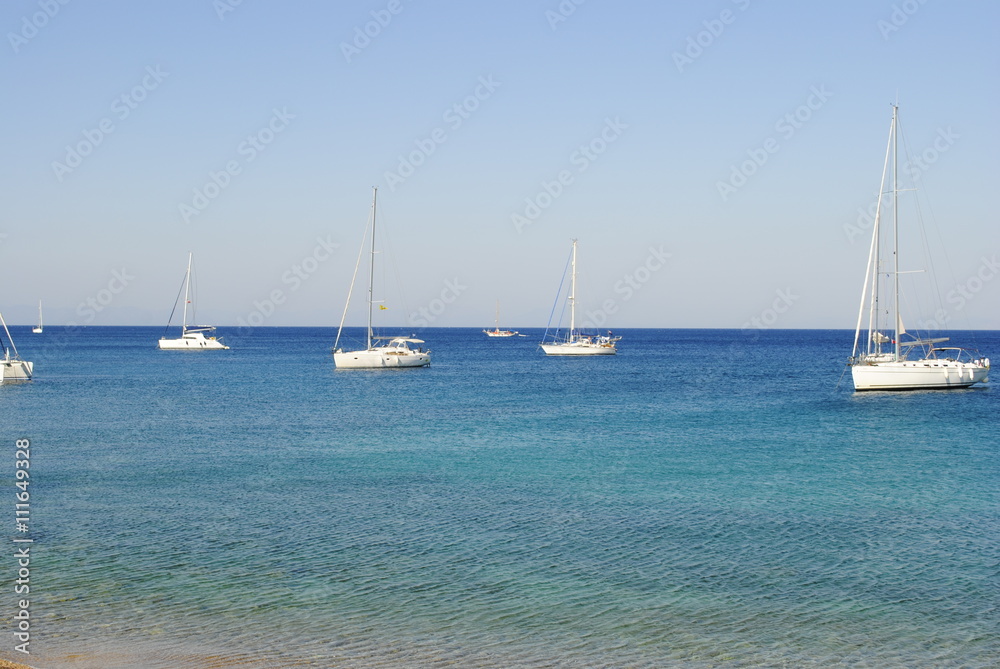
x=38 y=328
x=496 y=331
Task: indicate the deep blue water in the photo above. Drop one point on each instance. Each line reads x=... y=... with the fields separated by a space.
x=707 y=498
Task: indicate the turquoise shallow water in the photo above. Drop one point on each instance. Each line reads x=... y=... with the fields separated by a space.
x=706 y=498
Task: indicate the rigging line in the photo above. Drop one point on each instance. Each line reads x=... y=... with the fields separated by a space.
x=350 y=291
x=921 y=225
x=194 y=291
x=10 y=339
x=556 y=302
x=391 y=260
x=922 y=200
x=176 y=300
x=846 y=367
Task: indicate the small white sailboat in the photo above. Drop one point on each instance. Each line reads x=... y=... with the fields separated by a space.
x=496 y=331
x=38 y=328
x=901 y=361
x=14 y=369
x=577 y=343
x=394 y=352
x=193 y=337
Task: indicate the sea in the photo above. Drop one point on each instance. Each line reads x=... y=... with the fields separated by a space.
x=706 y=498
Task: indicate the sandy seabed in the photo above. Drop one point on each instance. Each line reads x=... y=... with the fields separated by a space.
x=7 y=664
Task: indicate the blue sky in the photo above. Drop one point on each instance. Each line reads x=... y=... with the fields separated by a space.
x=251 y=133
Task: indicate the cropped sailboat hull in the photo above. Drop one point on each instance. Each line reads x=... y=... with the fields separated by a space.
x=380 y=358
x=191 y=341
x=16 y=370
x=579 y=348
x=12 y=368
x=918 y=375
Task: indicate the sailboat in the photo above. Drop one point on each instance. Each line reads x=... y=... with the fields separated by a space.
x=192 y=336
x=901 y=361
x=38 y=328
x=379 y=352
x=577 y=343
x=496 y=331
x=14 y=369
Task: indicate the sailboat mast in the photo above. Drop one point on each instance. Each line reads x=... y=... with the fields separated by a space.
x=371 y=268
x=496 y=321
x=572 y=296
x=187 y=293
x=895 y=229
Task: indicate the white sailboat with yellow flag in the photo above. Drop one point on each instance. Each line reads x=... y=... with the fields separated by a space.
x=900 y=361
x=379 y=352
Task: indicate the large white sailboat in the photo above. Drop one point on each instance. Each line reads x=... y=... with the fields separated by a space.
x=193 y=337
x=899 y=361
x=38 y=328
x=577 y=343
x=13 y=368
x=379 y=352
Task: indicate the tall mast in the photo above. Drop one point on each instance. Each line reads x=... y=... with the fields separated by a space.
x=572 y=296
x=895 y=229
x=187 y=293
x=371 y=269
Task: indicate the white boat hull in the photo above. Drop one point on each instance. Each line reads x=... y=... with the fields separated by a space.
x=380 y=358
x=577 y=348
x=501 y=333
x=192 y=341
x=918 y=375
x=37 y=330
x=17 y=370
